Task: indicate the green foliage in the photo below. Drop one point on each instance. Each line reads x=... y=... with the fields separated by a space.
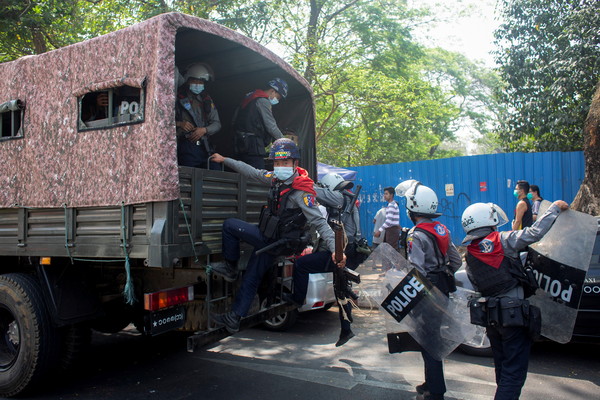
x=550 y=59
x=380 y=96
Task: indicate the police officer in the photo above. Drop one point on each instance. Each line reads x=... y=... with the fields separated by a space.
x=255 y=126
x=196 y=118
x=292 y=201
x=329 y=195
x=432 y=253
x=492 y=257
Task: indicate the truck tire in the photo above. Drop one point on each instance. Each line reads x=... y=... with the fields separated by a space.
x=28 y=340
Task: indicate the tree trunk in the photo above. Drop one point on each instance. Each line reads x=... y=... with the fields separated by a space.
x=588 y=197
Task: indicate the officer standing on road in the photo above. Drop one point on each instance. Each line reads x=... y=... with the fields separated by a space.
x=292 y=204
x=255 y=126
x=432 y=253
x=196 y=118
x=329 y=195
x=495 y=269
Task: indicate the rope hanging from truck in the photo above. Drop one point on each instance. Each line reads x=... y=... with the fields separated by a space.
x=128 y=291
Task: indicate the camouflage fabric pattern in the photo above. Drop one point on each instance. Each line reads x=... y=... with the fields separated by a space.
x=54 y=164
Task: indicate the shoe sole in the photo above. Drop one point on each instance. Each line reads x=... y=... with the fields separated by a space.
x=225 y=277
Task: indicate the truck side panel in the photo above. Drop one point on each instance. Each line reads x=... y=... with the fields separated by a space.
x=207 y=199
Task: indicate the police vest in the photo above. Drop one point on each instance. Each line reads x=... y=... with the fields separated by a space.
x=249 y=120
x=278 y=222
x=489 y=268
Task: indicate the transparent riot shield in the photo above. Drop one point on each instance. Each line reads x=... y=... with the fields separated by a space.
x=544 y=205
x=560 y=262
x=413 y=305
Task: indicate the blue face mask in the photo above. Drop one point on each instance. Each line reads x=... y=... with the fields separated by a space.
x=283 y=173
x=529 y=196
x=274 y=101
x=516 y=193
x=196 y=88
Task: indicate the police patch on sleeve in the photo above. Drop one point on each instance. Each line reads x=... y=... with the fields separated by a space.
x=268 y=174
x=486 y=246
x=441 y=229
x=310 y=200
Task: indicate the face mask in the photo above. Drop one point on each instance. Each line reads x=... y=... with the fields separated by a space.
x=274 y=101
x=529 y=196
x=283 y=173
x=196 y=88
x=516 y=193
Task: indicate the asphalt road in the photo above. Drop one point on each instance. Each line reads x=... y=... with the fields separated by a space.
x=303 y=363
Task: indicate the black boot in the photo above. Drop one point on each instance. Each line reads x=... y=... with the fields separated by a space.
x=226 y=269
x=422 y=388
x=344 y=337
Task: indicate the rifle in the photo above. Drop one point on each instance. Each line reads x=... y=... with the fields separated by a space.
x=353 y=197
x=341 y=276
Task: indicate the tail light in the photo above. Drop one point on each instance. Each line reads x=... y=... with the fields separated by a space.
x=168 y=298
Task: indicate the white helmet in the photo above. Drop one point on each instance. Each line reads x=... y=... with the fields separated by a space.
x=403 y=186
x=421 y=199
x=333 y=181
x=480 y=215
x=199 y=71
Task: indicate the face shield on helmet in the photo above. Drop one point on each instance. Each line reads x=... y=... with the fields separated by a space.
x=403 y=186
x=481 y=215
x=333 y=181
x=199 y=71
x=422 y=200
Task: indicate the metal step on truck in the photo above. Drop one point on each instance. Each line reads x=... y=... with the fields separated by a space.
x=99 y=226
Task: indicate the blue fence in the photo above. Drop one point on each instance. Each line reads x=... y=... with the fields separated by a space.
x=461 y=181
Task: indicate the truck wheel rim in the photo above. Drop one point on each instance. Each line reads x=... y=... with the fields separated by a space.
x=10 y=340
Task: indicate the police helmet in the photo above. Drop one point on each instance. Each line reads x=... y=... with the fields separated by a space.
x=421 y=200
x=280 y=86
x=199 y=71
x=333 y=181
x=479 y=215
x=283 y=149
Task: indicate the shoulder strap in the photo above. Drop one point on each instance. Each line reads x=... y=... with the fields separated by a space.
x=445 y=259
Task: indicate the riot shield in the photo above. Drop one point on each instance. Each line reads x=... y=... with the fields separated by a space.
x=560 y=262
x=413 y=305
x=544 y=205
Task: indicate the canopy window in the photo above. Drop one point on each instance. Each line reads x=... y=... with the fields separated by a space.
x=11 y=124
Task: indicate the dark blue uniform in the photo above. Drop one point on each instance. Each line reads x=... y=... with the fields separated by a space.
x=488 y=259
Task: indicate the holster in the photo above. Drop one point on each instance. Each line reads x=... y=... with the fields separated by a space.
x=478 y=311
x=248 y=143
x=443 y=280
x=268 y=224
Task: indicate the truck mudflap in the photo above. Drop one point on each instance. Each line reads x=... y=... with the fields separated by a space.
x=203 y=338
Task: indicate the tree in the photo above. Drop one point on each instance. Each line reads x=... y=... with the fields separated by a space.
x=380 y=96
x=36 y=26
x=588 y=197
x=549 y=57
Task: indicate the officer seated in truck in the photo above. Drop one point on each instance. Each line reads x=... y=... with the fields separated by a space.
x=291 y=208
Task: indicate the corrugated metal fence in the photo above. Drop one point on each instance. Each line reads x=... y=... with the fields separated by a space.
x=461 y=181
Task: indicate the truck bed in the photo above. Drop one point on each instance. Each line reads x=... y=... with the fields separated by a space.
x=155 y=231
